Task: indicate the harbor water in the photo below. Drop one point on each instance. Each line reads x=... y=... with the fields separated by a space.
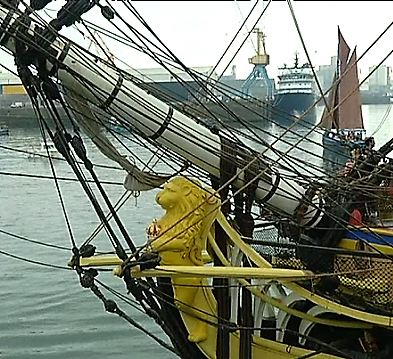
x=44 y=312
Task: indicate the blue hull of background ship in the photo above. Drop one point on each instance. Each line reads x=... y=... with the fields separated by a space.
x=289 y=107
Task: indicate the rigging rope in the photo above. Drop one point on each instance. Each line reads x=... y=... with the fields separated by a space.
x=33 y=240
x=384 y=118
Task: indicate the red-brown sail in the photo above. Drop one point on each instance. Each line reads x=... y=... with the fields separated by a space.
x=342 y=59
x=329 y=118
x=344 y=98
x=343 y=52
x=350 y=114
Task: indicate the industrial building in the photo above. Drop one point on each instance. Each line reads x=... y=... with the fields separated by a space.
x=176 y=84
x=376 y=90
x=380 y=80
x=325 y=73
x=229 y=87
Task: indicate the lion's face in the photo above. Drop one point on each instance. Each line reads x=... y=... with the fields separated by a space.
x=177 y=193
x=170 y=196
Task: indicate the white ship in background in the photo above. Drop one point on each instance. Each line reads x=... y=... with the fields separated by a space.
x=295 y=92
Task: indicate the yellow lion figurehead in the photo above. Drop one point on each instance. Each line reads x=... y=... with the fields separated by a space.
x=180 y=194
x=186 y=204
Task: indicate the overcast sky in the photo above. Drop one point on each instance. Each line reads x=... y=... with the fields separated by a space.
x=198 y=32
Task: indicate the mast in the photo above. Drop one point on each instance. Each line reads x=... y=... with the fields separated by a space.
x=296 y=60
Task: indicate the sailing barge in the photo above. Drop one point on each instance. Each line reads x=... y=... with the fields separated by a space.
x=312 y=279
x=344 y=137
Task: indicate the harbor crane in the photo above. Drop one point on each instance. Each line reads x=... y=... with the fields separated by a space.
x=260 y=61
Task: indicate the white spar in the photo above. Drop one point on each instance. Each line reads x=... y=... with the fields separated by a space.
x=155 y=118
